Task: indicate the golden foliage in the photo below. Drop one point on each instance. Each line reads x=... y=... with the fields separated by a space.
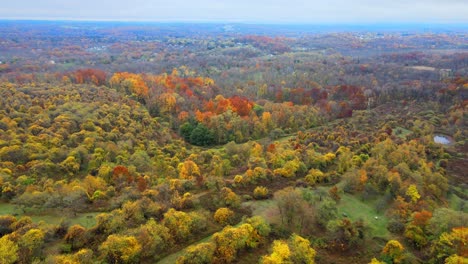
x=223 y=215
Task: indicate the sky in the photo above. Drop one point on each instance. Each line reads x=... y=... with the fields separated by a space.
x=263 y=11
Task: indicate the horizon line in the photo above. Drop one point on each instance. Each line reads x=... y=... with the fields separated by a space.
x=241 y=21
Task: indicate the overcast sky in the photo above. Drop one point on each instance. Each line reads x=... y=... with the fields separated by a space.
x=293 y=11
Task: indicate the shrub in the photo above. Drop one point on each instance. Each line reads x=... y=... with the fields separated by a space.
x=223 y=216
x=260 y=192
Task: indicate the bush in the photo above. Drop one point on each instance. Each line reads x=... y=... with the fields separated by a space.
x=201 y=253
x=395 y=227
x=223 y=216
x=260 y=193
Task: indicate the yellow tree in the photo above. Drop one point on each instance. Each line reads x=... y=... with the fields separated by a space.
x=376 y=261
x=302 y=252
x=393 y=251
x=232 y=239
x=130 y=83
x=455 y=259
x=315 y=176
x=451 y=246
x=154 y=238
x=8 y=250
x=70 y=165
x=296 y=250
x=412 y=193
x=229 y=198
x=30 y=243
x=223 y=215
x=167 y=102
x=189 y=170
x=83 y=256
x=179 y=224
x=260 y=192
x=280 y=254
x=120 y=249
x=198 y=254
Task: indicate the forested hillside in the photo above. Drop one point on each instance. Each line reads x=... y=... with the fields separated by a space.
x=165 y=143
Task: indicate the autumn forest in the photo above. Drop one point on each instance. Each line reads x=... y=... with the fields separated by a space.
x=232 y=143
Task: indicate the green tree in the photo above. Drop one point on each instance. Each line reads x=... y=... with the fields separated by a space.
x=444 y=219
x=186 y=130
x=201 y=136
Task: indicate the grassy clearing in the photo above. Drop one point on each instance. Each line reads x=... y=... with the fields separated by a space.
x=457 y=203
x=351 y=206
x=460 y=189
x=401 y=132
x=356 y=209
x=85 y=219
x=264 y=208
x=6 y=208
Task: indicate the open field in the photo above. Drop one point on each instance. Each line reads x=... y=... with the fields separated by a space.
x=55 y=217
x=357 y=209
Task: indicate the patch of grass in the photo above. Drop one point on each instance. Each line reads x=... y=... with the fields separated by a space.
x=264 y=208
x=356 y=209
x=351 y=206
x=87 y=220
x=456 y=203
x=49 y=219
x=84 y=219
x=460 y=189
x=401 y=132
x=6 y=208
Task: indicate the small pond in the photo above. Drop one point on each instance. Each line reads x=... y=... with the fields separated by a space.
x=444 y=140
